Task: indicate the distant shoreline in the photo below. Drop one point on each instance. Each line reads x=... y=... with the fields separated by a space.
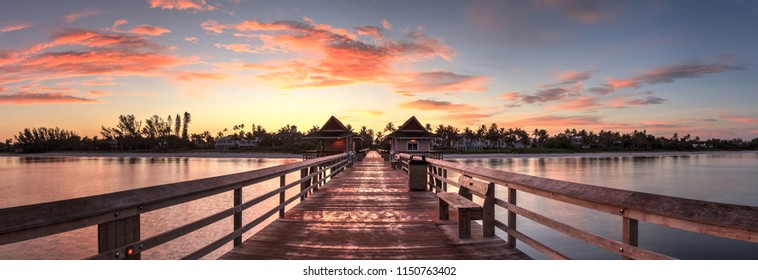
x=159 y=155
x=446 y=156
x=594 y=155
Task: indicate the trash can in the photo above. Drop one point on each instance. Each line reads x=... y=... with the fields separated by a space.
x=417 y=173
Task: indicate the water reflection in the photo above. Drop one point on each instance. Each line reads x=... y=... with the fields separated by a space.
x=30 y=180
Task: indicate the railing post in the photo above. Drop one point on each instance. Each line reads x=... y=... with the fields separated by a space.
x=437 y=182
x=630 y=232
x=281 y=195
x=303 y=185
x=237 y=215
x=444 y=183
x=112 y=235
x=511 y=217
x=313 y=179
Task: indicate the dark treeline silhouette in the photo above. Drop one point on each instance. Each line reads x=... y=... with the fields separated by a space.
x=172 y=134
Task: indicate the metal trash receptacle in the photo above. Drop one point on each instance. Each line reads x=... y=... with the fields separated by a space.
x=417 y=173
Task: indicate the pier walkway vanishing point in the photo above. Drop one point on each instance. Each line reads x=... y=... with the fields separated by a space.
x=368 y=213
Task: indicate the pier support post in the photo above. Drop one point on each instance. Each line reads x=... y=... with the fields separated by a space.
x=630 y=232
x=238 y=215
x=112 y=235
x=511 y=217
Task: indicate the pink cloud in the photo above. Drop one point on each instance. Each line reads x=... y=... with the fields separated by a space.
x=191 y=39
x=93 y=53
x=72 y=17
x=573 y=76
x=331 y=56
x=13 y=27
x=119 y=22
x=386 y=24
x=739 y=119
x=149 y=30
x=24 y=98
x=582 y=103
x=509 y=96
x=197 y=5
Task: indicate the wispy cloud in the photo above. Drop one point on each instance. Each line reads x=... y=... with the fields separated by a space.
x=192 y=76
x=739 y=119
x=191 y=39
x=24 y=98
x=428 y=104
x=670 y=73
x=74 y=16
x=374 y=113
x=14 y=26
x=195 y=5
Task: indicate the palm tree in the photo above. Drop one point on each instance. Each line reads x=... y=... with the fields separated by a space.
x=390 y=127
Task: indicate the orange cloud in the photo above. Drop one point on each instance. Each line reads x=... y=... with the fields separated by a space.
x=119 y=22
x=72 y=17
x=670 y=73
x=99 y=93
x=509 y=96
x=331 y=56
x=191 y=39
x=149 y=30
x=191 y=76
x=197 y=5
x=14 y=27
x=42 y=98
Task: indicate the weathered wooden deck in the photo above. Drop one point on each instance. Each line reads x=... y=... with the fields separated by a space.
x=368 y=213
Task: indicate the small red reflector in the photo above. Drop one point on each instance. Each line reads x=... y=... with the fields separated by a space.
x=129 y=251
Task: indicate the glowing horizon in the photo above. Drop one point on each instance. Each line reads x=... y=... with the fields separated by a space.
x=582 y=64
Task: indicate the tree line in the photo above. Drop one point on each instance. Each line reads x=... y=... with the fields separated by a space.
x=172 y=133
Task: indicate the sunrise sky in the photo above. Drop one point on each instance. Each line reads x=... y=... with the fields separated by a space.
x=660 y=66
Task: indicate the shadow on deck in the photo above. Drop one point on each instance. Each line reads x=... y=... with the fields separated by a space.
x=368 y=213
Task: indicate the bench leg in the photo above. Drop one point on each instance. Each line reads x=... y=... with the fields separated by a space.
x=464 y=224
x=444 y=210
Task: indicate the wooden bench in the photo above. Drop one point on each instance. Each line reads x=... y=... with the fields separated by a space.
x=467 y=209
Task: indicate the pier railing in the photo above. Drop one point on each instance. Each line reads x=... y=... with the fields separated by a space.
x=731 y=221
x=117 y=215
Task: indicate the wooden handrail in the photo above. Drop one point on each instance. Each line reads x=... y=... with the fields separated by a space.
x=38 y=220
x=725 y=220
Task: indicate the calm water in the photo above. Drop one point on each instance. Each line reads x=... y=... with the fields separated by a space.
x=43 y=179
x=728 y=178
x=731 y=178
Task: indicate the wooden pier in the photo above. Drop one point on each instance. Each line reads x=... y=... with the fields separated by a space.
x=366 y=210
x=368 y=213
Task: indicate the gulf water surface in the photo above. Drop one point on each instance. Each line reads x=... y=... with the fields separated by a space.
x=718 y=177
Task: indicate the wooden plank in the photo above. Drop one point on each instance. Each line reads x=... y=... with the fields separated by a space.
x=511 y=216
x=473 y=185
x=458 y=202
